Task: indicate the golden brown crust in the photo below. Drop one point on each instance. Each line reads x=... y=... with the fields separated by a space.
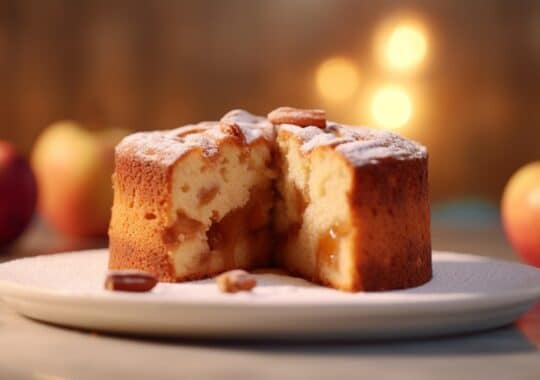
x=129 y=255
x=141 y=207
x=390 y=205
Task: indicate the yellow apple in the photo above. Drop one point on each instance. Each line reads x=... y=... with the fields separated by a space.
x=73 y=167
x=521 y=212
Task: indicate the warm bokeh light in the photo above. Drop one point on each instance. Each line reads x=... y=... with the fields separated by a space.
x=406 y=46
x=337 y=79
x=391 y=107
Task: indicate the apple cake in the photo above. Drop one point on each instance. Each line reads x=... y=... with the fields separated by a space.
x=342 y=206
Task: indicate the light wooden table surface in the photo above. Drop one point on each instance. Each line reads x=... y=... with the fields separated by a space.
x=32 y=350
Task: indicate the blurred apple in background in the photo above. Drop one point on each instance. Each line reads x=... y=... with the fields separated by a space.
x=17 y=193
x=73 y=167
x=521 y=212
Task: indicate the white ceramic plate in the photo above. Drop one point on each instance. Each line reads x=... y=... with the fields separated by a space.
x=467 y=293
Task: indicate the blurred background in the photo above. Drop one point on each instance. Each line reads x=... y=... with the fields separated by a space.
x=468 y=86
x=463 y=78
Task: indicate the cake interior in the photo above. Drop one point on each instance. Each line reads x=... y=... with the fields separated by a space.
x=313 y=214
x=221 y=209
x=227 y=216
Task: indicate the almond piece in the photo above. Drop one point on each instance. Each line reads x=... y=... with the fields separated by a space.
x=236 y=281
x=297 y=116
x=130 y=281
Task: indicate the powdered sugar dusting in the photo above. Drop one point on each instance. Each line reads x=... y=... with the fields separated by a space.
x=373 y=145
x=166 y=147
x=360 y=145
x=253 y=127
x=153 y=146
x=305 y=133
x=325 y=139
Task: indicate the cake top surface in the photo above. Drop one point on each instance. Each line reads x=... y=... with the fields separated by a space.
x=167 y=146
x=360 y=145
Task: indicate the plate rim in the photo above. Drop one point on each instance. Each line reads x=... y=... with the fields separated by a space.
x=461 y=301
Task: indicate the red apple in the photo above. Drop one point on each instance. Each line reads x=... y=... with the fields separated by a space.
x=521 y=212
x=17 y=193
x=73 y=167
